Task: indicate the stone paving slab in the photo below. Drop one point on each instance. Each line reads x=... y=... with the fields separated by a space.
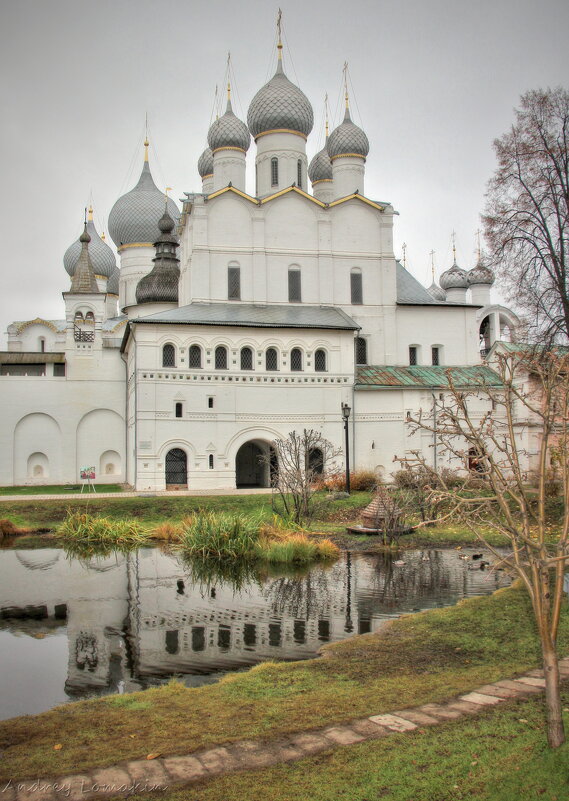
x=466 y=706
x=499 y=692
x=532 y=681
x=415 y=716
x=183 y=768
x=444 y=712
x=480 y=698
x=523 y=689
x=393 y=722
x=342 y=735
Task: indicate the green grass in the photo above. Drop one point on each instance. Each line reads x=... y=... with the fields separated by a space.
x=500 y=755
x=59 y=489
x=430 y=656
x=86 y=530
x=220 y=534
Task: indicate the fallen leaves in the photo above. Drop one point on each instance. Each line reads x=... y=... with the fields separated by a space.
x=153 y=756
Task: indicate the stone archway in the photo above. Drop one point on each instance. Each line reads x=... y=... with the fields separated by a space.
x=176 y=469
x=255 y=464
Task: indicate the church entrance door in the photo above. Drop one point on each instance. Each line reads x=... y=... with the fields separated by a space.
x=176 y=469
x=251 y=468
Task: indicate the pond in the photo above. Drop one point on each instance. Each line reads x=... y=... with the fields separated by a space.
x=74 y=628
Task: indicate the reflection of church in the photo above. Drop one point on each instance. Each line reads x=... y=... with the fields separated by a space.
x=240 y=318
x=133 y=619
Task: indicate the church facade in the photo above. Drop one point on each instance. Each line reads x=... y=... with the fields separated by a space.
x=238 y=319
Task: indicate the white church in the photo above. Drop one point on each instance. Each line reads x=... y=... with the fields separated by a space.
x=239 y=319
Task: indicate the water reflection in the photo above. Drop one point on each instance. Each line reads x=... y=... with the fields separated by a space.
x=134 y=619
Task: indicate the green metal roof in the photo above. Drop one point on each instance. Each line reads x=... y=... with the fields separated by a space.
x=388 y=377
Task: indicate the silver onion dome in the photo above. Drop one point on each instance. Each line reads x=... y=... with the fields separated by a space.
x=205 y=163
x=228 y=131
x=113 y=283
x=320 y=168
x=454 y=278
x=161 y=283
x=280 y=105
x=480 y=275
x=436 y=292
x=347 y=139
x=134 y=217
x=102 y=257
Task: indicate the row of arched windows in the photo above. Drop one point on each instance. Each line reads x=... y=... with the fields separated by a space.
x=89 y=317
x=272 y=358
x=294 y=285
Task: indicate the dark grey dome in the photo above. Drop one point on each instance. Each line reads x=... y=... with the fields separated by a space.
x=436 y=292
x=134 y=217
x=161 y=283
x=102 y=257
x=455 y=278
x=320 y=168
x=113 y=283
x=229 y=131
x=205 y=163
x=480 y=275
x=279 y=104
x=347 y=138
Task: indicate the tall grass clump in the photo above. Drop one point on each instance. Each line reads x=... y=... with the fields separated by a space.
x=295 y=549
x=220 y=534
x=86 y=529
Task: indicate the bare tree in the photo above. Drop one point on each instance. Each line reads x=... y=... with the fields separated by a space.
x=527 y=417
x=300 y=460
x=527 y=213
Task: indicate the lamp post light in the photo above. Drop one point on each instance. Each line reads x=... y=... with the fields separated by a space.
x=346 y=415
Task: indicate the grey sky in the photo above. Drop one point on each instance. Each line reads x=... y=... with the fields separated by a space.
x=434 y=82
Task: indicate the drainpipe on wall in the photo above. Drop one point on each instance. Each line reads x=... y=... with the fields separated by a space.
x=435 y=455
x=125 y=360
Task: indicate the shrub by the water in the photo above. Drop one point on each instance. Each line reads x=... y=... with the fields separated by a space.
x=296 y=548
x=219 y=534
x=89 y=529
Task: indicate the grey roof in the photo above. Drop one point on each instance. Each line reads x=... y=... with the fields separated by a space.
x=436 y=292
x=113 y=282
x=102 y=257
x=113 y=322
x=320 y=168
x=409 y=290
x=454 y=278
x=30 y=357
x=280 y=104
x=134 y=217
x=347 y=138
x=245 y=315
x=205 y=163
x=228 y=131
x=480 y=275
x=84 y=281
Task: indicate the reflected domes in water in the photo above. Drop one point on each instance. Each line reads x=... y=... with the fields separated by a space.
x=41 y=559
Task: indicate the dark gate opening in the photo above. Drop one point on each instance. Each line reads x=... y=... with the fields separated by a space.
x=176 y=469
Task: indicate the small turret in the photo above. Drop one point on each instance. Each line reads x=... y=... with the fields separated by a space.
x=348 y=147
x=229 y=140
x=160 y=286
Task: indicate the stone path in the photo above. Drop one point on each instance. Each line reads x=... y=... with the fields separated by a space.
x=158 y=494
x=171 y=772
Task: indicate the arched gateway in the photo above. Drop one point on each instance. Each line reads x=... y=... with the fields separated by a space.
x=255 y=464
x=176 y=468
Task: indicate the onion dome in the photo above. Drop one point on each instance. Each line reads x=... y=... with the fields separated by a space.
x=134 y=217
x=161 y=283
x=84 y=280
x=102 y=257
x=113 y=283
x=205 y=163
x=280 y=106
x=320 y=168
x=436 y=292
x=228 y=131
x=455 y=278
x=347 y=139
x=480 y=275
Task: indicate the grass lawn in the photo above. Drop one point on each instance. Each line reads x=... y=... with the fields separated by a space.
x=415 y=659
x=58 y=489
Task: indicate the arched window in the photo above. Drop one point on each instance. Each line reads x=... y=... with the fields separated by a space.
x=296 y=359
x=78 y=317
x=315 y=461
x=195 y=357
x=89 y=317
x=271 y=359
x=356 y=290
x=246 y=359
x=274 y=171
x=211 y=461
x=361 y=350
x=41 y=344
x=234 y=283
x=294 y=287
x=178 y=410
x=221 y=357
x=320 y=361
x=299 y=174
x=168 y=356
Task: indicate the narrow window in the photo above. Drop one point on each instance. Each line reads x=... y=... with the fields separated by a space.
x=90 y=317
x=59 y=369
x=299 y=174
x=178 y=410
x=435 y=355
x=211 y=461
x=356 y=288
x=271 y=359
x=296 y=359
x=294 y=291
x=168 y=356
x=233 y=283
x=221 y=358
x=195 y=358
x=320 y=361
x=78 y=317
x=412 y=355
x=274 y=171
x=42 y=344
x=210 y=403
x=246 y=359
x=361 y=350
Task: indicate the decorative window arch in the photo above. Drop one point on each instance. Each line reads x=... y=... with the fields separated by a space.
x=246 y=358
x=195 y=357
x=361 y=350
x=294 y=285
x=168 y=355
x=271 y=359
x=274 y=171
x=356 y=287
x=221 y=357
x=296 y=360
x=320 y=364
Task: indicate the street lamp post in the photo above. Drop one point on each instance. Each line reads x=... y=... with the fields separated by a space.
x=346 y=415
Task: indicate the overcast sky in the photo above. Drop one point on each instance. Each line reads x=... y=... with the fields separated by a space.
x=434 y=82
